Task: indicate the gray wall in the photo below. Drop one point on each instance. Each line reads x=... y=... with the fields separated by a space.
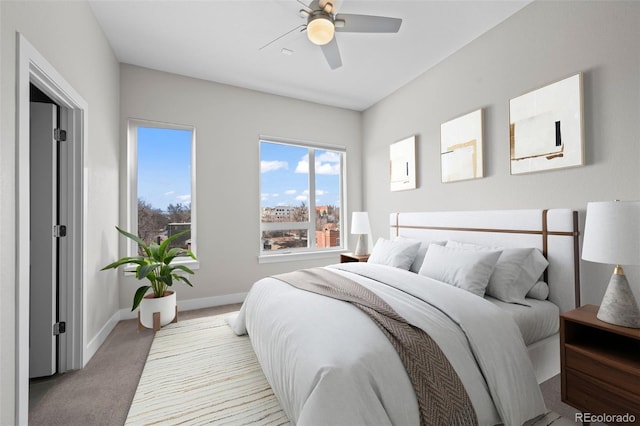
x=68 y=36
x=544 y=42
x=228 y=122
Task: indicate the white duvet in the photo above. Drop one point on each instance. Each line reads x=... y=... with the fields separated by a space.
x=329 y=364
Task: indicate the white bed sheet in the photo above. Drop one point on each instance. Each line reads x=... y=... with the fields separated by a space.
x=328 y=363
x=536 y=322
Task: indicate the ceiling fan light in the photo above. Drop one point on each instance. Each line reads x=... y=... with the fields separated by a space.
x=320 y=30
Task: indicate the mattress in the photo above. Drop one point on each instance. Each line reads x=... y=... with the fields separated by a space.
x=536 y=322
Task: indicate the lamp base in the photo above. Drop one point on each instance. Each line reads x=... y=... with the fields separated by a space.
x=618 y=304
x=361 y=247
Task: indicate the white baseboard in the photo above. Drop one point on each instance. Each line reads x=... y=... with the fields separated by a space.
x=99 y=338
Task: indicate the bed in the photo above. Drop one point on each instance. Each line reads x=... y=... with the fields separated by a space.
x=328 y=363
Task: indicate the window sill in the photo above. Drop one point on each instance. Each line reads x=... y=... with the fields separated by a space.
x=293 y=256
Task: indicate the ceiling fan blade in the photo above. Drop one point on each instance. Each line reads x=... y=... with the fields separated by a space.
x=332 y=54
x=299 y=27
x=347 y=22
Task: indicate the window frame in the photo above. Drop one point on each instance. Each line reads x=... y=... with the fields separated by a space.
x=311 y=251
x=132 y=185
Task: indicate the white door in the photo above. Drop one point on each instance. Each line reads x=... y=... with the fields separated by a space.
x=43 y=271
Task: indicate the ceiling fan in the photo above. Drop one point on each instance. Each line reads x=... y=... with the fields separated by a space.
x=323 y=22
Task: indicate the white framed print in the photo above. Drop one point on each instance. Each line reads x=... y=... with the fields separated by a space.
x=546 y=128
x=402 y=164
x=461 y=156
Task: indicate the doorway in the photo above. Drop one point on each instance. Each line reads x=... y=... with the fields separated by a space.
x=72 y=111
x=46 y=222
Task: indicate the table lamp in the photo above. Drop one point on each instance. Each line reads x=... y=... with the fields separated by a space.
x=612 y=235
x=360 y=226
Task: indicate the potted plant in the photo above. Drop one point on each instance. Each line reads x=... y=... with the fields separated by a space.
x=155 y=266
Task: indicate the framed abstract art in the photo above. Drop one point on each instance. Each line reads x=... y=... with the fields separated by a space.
x=546 y=127
x=402 y=164
x=461 y=148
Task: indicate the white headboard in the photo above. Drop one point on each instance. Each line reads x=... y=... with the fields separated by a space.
x=555 y=232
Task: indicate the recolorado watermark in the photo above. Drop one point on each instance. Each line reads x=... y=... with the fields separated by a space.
x=605 y=418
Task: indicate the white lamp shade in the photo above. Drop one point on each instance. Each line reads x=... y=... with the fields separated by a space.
x=612 y=233
x=360 y=223
x=320 y=30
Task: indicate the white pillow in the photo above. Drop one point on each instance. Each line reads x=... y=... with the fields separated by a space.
x=539 y=291
x=467 y=269
x=399 y=252
x=422 y=251
x=515 y=273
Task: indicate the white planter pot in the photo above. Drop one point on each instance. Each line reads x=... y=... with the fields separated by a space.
x=165 y=305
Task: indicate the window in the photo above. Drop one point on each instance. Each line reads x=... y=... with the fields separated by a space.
x=301 y=197
x=161 y=183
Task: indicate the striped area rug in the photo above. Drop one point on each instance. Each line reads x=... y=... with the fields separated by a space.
x=199 y=372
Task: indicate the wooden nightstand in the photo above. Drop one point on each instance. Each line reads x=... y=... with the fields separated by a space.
x=600 y=364
x=350 y=257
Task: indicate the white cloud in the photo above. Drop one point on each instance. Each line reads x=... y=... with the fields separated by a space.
x=303 y=165
x=184 y=198
x=329 y=157
x=327 y=168
x=290 y=191
x=270 y=166
x=327 y=163
x=301 y=198
x=169 y=193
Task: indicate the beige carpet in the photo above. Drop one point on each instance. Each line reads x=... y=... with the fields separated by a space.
x=199 y=372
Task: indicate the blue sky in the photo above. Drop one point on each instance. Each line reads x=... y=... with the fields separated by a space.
x=284 y=176
x=164 y=166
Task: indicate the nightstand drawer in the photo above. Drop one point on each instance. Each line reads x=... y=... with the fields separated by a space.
x=594 y=396
x=619 y=375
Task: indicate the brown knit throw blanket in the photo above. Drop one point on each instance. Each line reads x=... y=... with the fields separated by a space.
x=442 y=398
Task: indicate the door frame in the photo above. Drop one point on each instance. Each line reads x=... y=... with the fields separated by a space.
x=33 y=68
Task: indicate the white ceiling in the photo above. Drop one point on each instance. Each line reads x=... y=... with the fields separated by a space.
x=220 y=40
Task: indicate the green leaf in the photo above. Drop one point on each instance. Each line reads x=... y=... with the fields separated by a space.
x=144 y=270
x=137 y=298
x=155 y=254
x=182 y=268
x=163 y=247
x=135 y=238
x=173 y=253
x=178 y=235
x=183 y=279
x=137 y=260
x=166 y=280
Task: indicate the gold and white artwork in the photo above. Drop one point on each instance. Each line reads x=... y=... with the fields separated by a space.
x=461 y=148
x=402 y=164
x=546 y=130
